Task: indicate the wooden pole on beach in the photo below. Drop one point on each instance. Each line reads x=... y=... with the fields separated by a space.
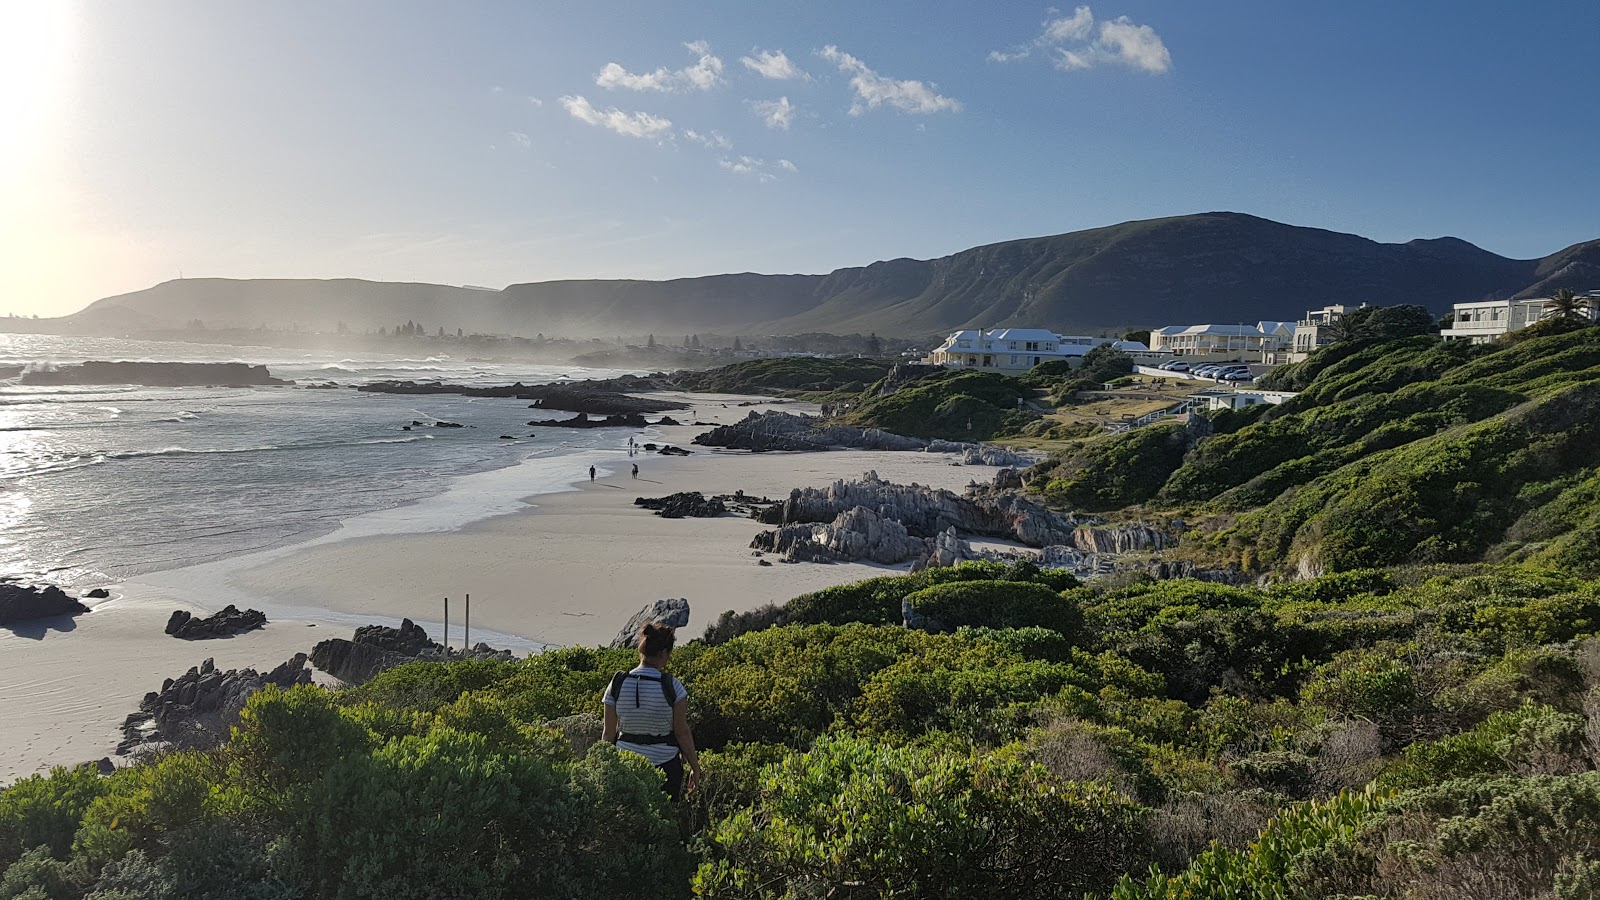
x=466 y=636
x=447 y=627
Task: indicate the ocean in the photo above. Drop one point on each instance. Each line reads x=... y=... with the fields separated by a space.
x=102 y=483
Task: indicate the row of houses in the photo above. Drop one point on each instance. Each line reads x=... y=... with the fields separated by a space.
x=1013 y=350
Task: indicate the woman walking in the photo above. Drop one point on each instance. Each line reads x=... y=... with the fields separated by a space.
x=647 y=712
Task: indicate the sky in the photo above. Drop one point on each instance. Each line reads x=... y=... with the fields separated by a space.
x=492 y=143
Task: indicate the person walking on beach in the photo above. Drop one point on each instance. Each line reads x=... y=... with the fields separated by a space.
x=647 y=712
x=591 y=473
x=635 y=470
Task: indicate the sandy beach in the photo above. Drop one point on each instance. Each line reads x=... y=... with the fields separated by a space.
x=559 y=568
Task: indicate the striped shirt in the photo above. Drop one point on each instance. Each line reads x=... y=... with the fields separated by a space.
x=641 y=709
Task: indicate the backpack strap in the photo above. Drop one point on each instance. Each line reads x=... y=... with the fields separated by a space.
x=669 y=687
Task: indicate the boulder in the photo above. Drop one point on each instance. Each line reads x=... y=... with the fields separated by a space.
x=671 y=612
x=983 y=454
x=227 y=623
x=670 y=450
x=24 y=602
x=98 y=594
x=687 y=504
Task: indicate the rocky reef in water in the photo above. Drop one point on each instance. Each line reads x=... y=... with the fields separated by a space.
x=579 y=398
x=26 y=602
x=154 y=374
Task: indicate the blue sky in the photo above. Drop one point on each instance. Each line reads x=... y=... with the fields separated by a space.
x=491 y=143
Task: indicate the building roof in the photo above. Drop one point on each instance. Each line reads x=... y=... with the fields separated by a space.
x=1023 y=334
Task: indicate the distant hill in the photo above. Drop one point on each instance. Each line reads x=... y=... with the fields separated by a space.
x=1209 y=267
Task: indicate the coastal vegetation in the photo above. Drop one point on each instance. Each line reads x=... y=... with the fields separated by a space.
x=1397 y=450
x=1396 y=732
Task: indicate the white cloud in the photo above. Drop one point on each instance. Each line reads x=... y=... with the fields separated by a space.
x=1075 y=43
x=536 y=102
x=777 y=66
x=638 y=124
x=873 y=90
x=522 y=141
x=759 y=169
x=777 y=113
x=1138 y=46
x=715 y=140
x=704 y=75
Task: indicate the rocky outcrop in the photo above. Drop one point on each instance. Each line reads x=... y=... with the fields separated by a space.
x=777 y=430
x=378 y=648
x=857 y=534
x=227 y=623
x=154 y=374
x=197 y=709
x=25 y=602
x=983 y=454
x=684 y=505
x=582 y=420
x=925 y=511
x=902 y=374
x=1130 y=537
x=97 y=594
x=671 y=612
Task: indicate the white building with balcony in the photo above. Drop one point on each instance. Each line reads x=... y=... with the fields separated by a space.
x=1011 y=351
x=1485 y=321
x=1222 y=341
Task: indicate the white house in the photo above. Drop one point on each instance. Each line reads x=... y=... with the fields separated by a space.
x=1484 y=321
x=1014 y=350
x=1313 y=331
x=1222 y=340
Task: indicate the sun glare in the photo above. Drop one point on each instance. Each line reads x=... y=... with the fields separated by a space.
x=35 y=48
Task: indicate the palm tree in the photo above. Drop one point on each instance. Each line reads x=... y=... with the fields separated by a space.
x=1564 y=304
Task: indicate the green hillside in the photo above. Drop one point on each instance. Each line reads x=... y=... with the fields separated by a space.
x=1403 y=452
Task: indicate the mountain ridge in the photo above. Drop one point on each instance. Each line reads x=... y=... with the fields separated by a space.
x=1215 y=266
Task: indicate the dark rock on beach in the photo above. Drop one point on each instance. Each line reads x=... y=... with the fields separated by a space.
x=672 y=612
x=98 y=594
x=600 y=401
x=684 y=505
x=376 y=648
x=227 y=623
x=23 y=602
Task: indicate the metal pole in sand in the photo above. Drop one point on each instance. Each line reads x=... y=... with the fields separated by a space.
x=466 y=636
x=447 y=626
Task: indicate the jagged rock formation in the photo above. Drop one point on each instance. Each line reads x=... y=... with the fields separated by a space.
x=671 y=612
x=227 y=623
x=902 y=374
x=196 y=709
x=686 y=504
x=377 y=648
x=778 y=430
x=857 y=534
x=154 y=374
x=1130 y=537
x=24 y=602
x=983 y=454
x=925 y=511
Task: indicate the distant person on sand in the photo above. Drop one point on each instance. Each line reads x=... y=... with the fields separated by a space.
x=591 y=473
x=636 y=470
x=647 y=712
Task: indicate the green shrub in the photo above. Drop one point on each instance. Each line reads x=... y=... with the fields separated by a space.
x=996 y=604
x=45 y=811
x=910 y=822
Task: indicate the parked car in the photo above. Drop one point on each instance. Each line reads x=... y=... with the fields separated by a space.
x=1178 y=366
x=1238 y=376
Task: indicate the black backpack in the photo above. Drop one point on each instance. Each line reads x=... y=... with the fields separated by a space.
x=669 y=690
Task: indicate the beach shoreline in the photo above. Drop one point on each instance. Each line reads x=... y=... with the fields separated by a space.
x=550 y=559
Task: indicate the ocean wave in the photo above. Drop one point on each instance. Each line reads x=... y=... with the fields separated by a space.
x=264 y=448
x=182 y=416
